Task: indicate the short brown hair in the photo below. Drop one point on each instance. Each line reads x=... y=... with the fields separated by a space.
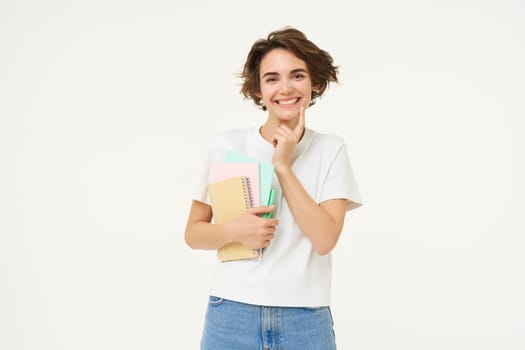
x=319 y=62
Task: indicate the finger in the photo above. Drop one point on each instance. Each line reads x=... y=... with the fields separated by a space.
x=272 y=222
x=269 y=231
x=289 y=133
x=285 y=133
x=261 y=209
x=279 y=133
x=278 y=137
x=299 y=128
x=286 y=130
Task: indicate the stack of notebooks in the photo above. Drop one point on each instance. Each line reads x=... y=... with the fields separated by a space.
x=236 y=185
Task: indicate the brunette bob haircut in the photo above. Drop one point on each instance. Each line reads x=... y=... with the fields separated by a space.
x=319 y=62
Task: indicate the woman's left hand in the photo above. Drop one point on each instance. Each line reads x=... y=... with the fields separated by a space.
x=284 y=142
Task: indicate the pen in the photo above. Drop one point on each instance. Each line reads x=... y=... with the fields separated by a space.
x=271 y=201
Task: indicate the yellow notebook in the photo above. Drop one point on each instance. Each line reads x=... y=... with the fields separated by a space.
x=230 y=198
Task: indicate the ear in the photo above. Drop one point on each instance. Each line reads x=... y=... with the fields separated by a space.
x=315 y=88
x=258 y=94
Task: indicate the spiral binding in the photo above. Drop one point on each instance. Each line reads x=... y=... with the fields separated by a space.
x=246 y=187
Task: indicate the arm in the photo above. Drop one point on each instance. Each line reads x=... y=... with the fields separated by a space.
x=321 y=223
x=249 y=229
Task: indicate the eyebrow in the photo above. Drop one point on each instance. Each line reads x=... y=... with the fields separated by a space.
x=297 y=70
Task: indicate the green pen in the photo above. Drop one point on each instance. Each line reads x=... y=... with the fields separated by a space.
x=271 y=201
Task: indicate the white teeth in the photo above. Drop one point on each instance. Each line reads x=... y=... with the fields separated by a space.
x=289 y=102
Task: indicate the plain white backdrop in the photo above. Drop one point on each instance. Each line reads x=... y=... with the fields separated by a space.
x=106 y=108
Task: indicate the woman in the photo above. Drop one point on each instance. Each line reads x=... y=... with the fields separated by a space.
x=281 y=301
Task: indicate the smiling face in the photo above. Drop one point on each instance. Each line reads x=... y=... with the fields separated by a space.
x=285 y=84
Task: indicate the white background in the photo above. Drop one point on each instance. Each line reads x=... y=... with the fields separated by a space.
x=105 y=112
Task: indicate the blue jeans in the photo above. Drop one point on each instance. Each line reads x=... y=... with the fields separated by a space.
x=230 y=325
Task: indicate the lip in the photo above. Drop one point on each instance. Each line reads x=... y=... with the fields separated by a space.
x=297 y=100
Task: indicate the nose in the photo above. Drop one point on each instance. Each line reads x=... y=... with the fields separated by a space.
x=286 y=86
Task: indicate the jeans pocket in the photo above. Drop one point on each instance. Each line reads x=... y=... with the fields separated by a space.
x=215 y=301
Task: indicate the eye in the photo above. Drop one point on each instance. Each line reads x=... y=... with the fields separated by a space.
x=299 y=76
x=270 y=79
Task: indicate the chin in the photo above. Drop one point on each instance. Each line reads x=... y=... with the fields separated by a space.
x=288 y=115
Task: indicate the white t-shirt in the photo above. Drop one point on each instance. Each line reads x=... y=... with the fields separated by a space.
x=290 y=272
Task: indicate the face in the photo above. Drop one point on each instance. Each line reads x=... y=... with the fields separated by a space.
x=285 y=84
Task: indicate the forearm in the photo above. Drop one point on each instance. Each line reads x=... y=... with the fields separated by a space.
x=322 y=230
x=208 y=236
x=249 y=229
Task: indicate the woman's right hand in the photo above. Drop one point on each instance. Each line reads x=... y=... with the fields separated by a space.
x=252 y=230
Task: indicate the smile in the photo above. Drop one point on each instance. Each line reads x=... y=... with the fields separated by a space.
x=288 y=102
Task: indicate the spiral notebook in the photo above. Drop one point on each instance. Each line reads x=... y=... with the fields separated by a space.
x=229 y=199
x=223 y=171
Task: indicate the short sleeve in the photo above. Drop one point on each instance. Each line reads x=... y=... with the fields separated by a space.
x=200 y=185
x=340 y=181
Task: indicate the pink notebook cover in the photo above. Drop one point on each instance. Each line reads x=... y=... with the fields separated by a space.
x=223 y=171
